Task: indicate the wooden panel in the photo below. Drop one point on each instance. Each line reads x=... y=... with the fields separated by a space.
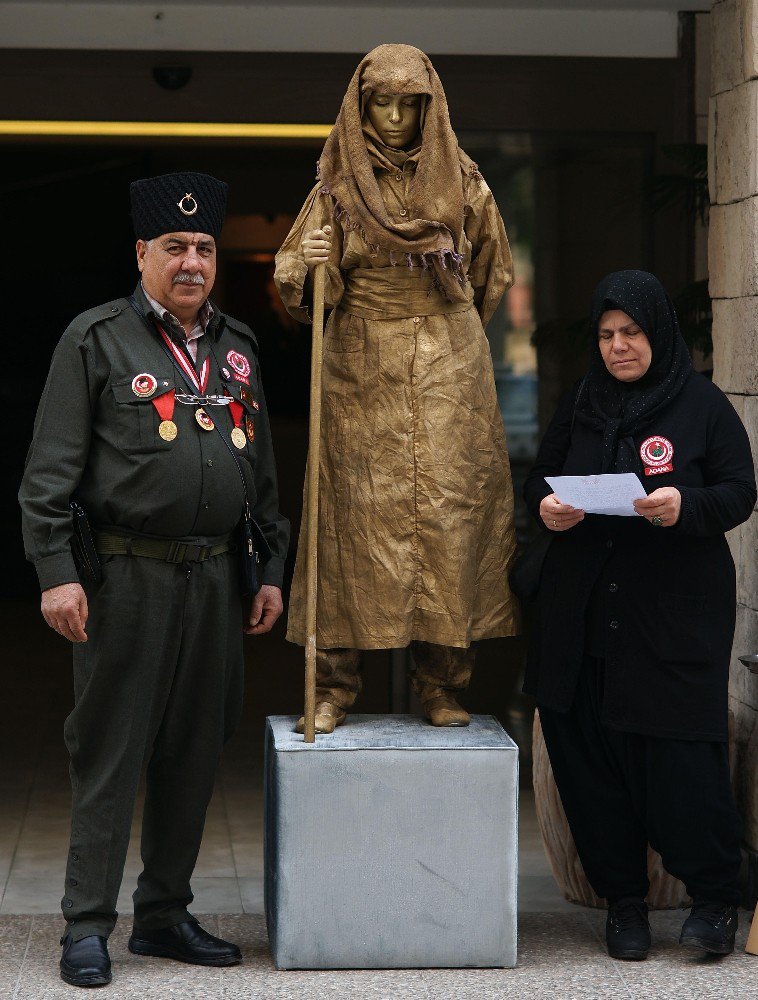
x=487 y=92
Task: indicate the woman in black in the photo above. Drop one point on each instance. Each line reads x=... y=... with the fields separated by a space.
x=629 y=656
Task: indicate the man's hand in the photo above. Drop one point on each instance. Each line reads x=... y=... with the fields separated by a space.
x=664 y=503
x=64 y=609
x=267 y=606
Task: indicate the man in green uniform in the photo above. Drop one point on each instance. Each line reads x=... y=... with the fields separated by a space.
x=153 y=419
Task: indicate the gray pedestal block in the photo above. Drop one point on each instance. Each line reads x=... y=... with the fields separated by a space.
x=391 y=844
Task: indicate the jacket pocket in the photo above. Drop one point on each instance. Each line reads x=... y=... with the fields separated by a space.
x=683 y=628
x=137 y=420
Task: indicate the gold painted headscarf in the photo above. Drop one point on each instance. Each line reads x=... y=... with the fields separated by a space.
x=428 y=237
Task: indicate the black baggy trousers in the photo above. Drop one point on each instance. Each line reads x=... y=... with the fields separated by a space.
x=158 y=683
x=623 y=790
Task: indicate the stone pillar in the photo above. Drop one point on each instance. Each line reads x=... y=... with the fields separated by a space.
x=733 y=272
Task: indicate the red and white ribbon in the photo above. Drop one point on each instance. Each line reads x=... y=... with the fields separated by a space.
x=186 y=367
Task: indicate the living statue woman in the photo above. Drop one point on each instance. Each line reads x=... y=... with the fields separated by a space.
x=416 y=505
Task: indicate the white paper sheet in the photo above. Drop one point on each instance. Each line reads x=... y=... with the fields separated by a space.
x=609 y=494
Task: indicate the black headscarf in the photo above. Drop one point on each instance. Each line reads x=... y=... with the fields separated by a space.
x=620 y=409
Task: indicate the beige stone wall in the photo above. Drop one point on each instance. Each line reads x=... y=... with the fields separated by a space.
x=733 y=271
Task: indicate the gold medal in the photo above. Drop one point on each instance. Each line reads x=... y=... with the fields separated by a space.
x=167 y=430
x=238 y=438
x=204 y=420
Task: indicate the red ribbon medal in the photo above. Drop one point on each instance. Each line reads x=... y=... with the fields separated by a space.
x=164 y=406
x=238 y=435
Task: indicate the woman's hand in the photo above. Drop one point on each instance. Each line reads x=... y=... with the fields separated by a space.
x=559 y=516
x=662 y=507
x=317 y=245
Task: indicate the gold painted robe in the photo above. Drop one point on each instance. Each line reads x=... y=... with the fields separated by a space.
x=416 y=504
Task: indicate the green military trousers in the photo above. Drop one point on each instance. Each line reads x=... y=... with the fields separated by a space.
x=158 y=683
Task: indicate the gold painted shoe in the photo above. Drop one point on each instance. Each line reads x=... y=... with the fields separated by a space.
x=444 y=710
x=328 y=717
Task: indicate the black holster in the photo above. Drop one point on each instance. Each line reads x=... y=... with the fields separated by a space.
x=83 y=546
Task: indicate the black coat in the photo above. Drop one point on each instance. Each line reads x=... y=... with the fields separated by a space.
x=657 y=603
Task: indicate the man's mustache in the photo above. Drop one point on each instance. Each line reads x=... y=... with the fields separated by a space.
x=185 y=278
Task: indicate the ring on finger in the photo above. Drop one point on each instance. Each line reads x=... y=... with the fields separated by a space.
x=555 y=523
x=656 y=520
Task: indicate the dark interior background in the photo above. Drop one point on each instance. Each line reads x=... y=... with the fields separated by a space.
x=597 y=130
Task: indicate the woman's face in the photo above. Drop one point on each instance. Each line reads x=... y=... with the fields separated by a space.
x=625 y=349
x=395 y=117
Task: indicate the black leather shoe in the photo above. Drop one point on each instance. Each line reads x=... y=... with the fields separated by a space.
x=186 y=942
x=710 y=927
x=85 y=962
x=627 y=931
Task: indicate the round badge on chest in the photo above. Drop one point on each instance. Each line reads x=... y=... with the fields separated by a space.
x=239 y=363
x=203 y=420
x=656 y=453
x=144 y=385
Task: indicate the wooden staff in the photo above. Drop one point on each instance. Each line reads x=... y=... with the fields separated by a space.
x=314 y=449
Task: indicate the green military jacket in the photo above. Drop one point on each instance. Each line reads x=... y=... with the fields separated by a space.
x=96 y=440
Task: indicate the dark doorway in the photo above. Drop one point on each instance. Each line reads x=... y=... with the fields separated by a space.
x=66 y=208
x=65 y=211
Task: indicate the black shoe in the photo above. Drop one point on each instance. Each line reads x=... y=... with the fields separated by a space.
x=710 y=927
x=186 y=942
x=627 y=931
x=85 y=962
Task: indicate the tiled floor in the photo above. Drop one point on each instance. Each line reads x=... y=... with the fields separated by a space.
x=561 y=955
x=561 y=952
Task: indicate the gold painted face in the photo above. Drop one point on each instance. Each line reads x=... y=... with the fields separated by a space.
x=396 y=117
x=624 y=347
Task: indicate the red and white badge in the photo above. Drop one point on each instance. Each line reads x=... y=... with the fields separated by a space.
x=656 y=454
x=144 y=385
x=240 y=366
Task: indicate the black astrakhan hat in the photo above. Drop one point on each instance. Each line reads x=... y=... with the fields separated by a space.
x=178 y=203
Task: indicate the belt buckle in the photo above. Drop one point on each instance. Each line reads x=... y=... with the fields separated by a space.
x=197 y=553
x=176 y=552
x=185 y=552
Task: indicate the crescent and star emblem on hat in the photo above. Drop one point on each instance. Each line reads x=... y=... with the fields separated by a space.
x=187 y=205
